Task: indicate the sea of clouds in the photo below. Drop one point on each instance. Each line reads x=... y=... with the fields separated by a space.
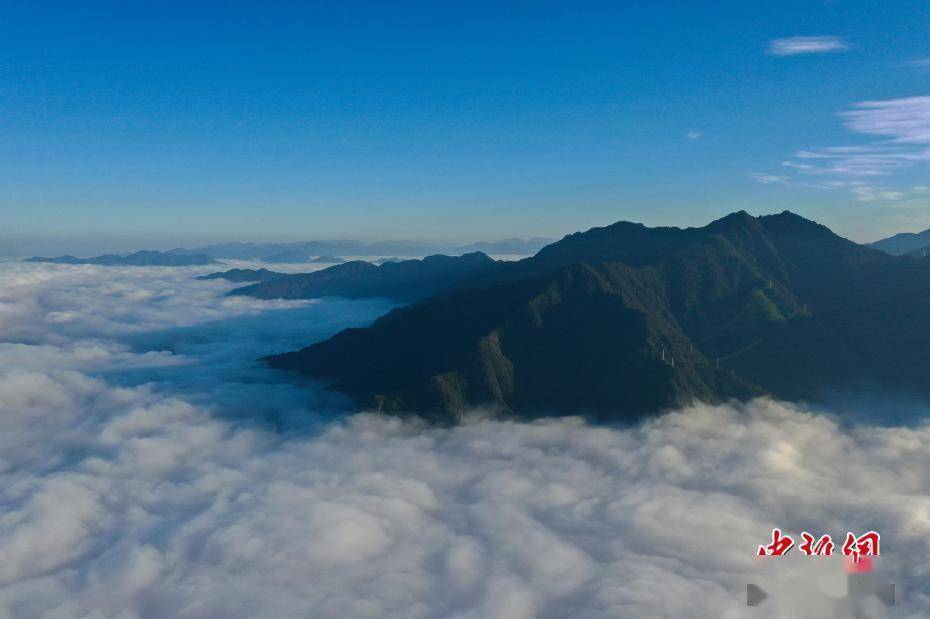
x=149 y=467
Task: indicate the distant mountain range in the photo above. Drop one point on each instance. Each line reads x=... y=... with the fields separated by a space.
x=915 y=243
x=406 y=280
x=512 y=247
x=143 y=258
x=310 y=252
x=623 y=321
x=296 y=256
x=288 y=256
x=303 y=251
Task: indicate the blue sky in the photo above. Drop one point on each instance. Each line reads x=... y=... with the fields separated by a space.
x=150 y=123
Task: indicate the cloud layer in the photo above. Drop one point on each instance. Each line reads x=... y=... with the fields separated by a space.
x=793 y=46
x=129 y=497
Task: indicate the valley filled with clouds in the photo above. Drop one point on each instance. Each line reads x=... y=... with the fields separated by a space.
x=150 y=467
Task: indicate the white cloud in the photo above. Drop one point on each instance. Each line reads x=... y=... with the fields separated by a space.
x=905 y=121
x=868 y=193
x=877 y=160
x=141 y=498
x=905 y=125
x=761 y=177
x=793 y=46
x=694 y=135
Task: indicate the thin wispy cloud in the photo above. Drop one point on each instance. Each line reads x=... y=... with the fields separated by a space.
x=905 y=121
x=856 y=162
x=794 y=46
x=904 y=128
x=867 y=193
x=767 y=179
x=694 y=135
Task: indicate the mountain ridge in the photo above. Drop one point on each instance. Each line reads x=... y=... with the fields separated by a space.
x=903 y=243
x=348 y=247
x=407 y=280
x=745 y=305
x=139 y=258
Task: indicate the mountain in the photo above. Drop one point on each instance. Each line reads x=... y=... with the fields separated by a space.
x=518 y=247
x=623 y=321
x=261 y=251
x=903 y=243
x=288 y=256
x=574 y=342
x=173 y=258
x=328 y=260
x=408 y=280
x=920 y=252
x=268 y=251
x=244 y=275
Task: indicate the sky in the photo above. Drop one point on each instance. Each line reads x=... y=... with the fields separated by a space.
x=156 y=124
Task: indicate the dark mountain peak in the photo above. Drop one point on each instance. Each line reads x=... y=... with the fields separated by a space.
x=734 y=221
x=475 y=257
x=244 y=275
x=769 y=246
x=617 y=226
x=622 y=240
x=788 y=223
x=784 y=223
